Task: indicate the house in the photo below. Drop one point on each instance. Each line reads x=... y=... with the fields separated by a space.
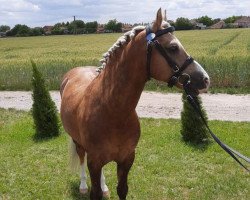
x=100 y=28
x=234 y=25
x=65 y=31
x=197 y=25
x=243 y=22
x=219 y=25
x=2 y=34
x=200 y=26
x=193 y=22
x=126 y=27
x=47 y=29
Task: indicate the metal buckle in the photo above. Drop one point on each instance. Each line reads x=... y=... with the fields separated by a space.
x=176 y=69
x=184 y=79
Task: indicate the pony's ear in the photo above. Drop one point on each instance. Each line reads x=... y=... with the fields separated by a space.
x=158 y=21
x=165 y=15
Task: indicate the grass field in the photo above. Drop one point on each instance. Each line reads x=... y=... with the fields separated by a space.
x=225 y=54
x=164 y=168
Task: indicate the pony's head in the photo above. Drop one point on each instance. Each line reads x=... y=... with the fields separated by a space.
x=169 y=62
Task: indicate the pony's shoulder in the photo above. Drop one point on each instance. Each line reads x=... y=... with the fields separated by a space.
x=79 y=76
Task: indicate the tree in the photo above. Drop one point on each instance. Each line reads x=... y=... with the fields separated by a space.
x=183 y=24
x=76 y=26
x=57 y=29
x=192 y=127
x=79 y=23
x=4 y=28
x=44 y=111
x=91 y=27
x=208 y=21
x=119 y=27
x=19 y=30
x=231 y=19
x=36 y=31
x=172 y=23
x=113 y=26
x=216 y=20
x=23 y=31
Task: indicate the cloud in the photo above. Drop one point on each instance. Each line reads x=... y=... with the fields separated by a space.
x=18 y=6
x=48 y=12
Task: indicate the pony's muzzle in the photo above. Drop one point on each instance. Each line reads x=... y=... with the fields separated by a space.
x=206 y=83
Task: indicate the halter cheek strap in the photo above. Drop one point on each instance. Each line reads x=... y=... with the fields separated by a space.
x=152 y=41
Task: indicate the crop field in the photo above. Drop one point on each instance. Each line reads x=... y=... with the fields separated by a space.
x=165 y=167
x=225 y=54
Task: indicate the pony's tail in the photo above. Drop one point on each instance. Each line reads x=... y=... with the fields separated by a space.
x=74 y=161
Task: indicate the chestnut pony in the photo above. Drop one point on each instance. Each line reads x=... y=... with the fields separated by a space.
x=98 y=108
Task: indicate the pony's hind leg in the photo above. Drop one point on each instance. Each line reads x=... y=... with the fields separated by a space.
x=104 y=187
x=82 y=156
x=83 y=185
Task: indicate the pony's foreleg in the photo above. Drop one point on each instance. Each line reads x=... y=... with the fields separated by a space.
x=95 y=170
x=122 y=173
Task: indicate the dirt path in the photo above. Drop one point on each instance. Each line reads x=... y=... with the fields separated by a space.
x=157 y=105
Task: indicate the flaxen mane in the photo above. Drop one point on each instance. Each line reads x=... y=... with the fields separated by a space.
x=121 y=41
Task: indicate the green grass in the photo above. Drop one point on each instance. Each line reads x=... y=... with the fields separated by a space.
x=164 y=168
x=225 y=54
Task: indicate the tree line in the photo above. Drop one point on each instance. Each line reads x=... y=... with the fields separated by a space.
x=186 y=24
x=74 y=27
x=80 y=27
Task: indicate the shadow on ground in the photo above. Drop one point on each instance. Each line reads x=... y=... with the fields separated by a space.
x=74 y=187
x=76 y=195
x=199 y=146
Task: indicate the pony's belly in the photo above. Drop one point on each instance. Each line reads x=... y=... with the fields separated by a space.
x=113 y=147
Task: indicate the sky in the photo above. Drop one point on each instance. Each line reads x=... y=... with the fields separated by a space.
x=48 y=12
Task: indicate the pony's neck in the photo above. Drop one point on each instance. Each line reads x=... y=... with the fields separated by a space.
x=125 y=76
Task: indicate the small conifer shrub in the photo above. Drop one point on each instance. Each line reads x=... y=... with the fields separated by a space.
x=193 y=129
x=44 y=110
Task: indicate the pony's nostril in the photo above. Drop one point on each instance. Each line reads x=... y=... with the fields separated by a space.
x=206 y=80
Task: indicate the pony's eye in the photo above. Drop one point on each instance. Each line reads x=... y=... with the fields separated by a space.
x=173 y=48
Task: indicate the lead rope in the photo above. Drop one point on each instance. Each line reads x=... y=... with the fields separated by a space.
x=233 y=153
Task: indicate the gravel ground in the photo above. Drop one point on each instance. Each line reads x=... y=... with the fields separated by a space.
x=156 y=105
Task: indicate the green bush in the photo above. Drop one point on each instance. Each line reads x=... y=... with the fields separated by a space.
x=193 y=129
x=43 y=109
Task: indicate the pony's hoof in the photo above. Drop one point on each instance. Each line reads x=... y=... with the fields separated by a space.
x=84 y=190
x=106 y=194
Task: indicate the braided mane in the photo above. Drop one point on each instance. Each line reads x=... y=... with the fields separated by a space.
x=128 y=36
